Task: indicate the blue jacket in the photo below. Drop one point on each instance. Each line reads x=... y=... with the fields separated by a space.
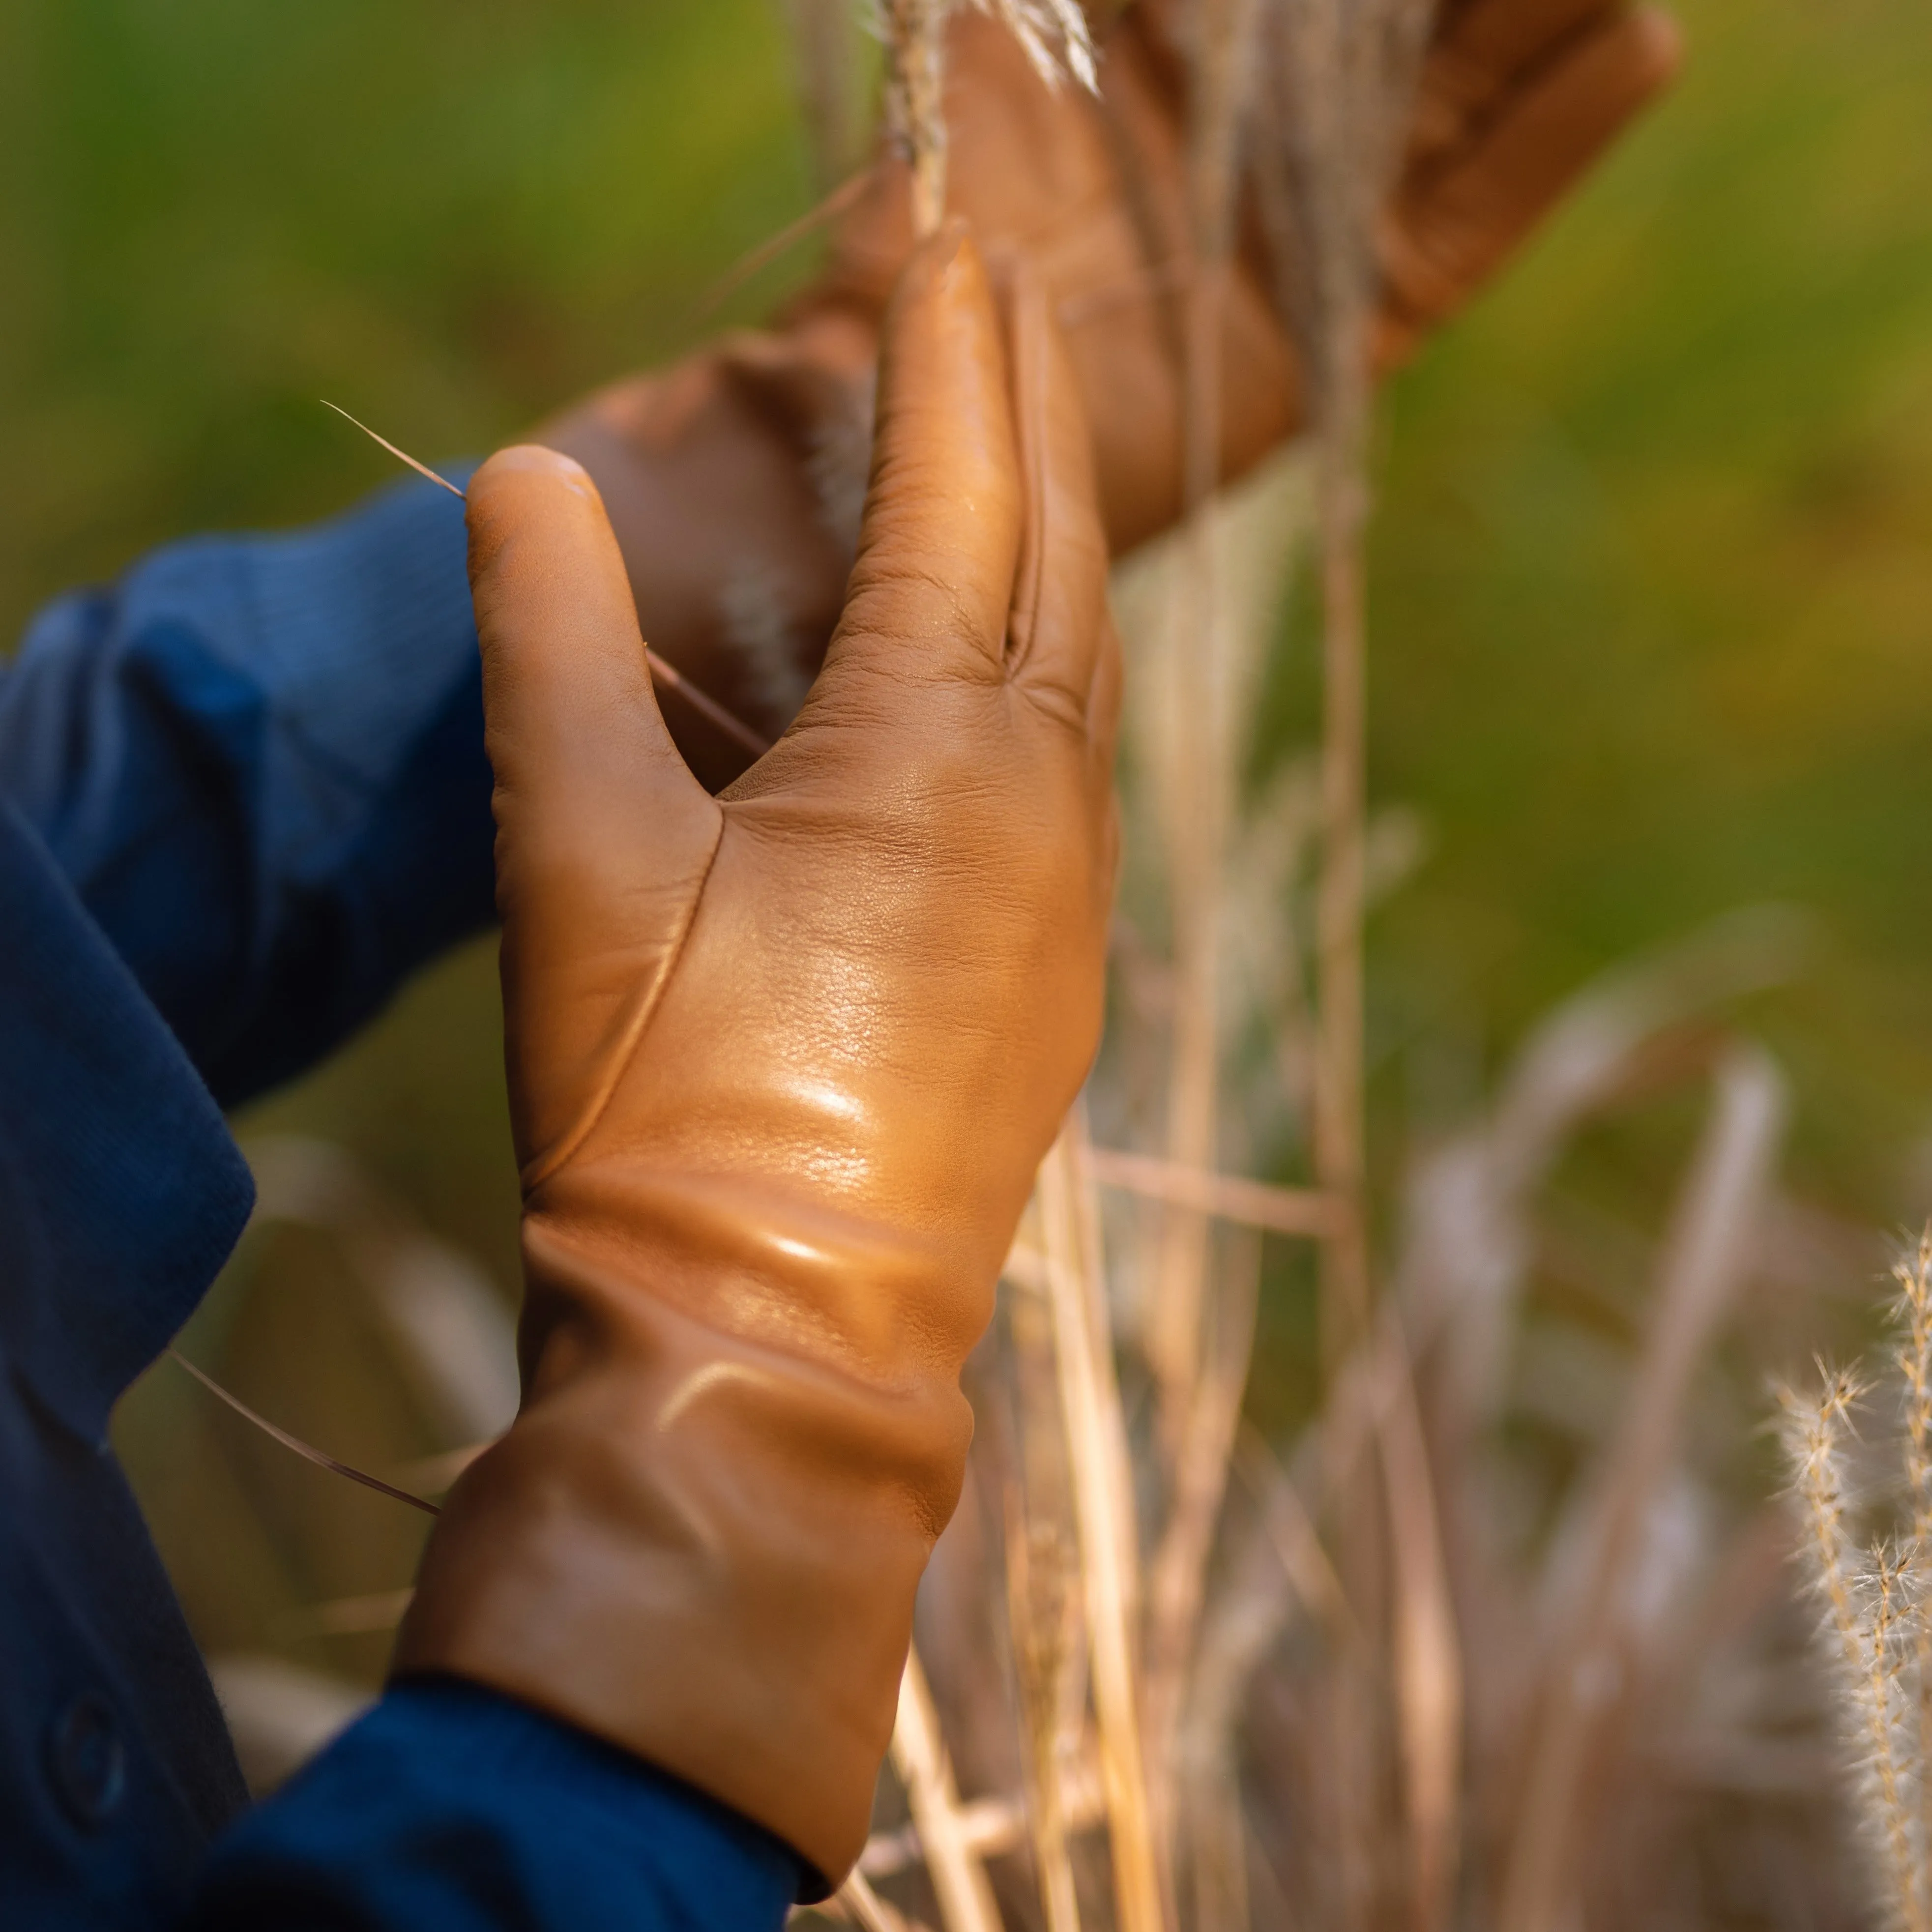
x=243 y=795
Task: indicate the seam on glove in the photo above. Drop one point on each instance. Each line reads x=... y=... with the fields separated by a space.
x=1029 y=381
x=620 y=1061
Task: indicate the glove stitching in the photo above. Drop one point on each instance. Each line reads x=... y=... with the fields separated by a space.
x=634 y=1032
x=1029 y=380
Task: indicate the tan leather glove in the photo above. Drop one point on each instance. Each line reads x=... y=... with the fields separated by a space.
x=782 y=1065
x=734 y=481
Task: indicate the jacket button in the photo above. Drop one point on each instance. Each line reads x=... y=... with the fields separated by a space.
x=87 y=1758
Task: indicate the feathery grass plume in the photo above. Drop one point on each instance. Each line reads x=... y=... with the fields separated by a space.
x=1865 y=1595
x=1890 y=1714
x=1054 y=34
x=1913 y=1311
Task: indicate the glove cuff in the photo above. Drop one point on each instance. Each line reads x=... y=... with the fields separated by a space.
x=742 y=1434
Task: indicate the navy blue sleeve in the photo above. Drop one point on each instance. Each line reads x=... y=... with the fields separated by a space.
x=260 y=762
x=449 y=1808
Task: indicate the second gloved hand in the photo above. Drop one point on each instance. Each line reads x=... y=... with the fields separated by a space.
x=782 y=1065
x=733 y=479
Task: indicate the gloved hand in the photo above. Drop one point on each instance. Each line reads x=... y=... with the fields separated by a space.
x=734 y=481
x=782 y=1067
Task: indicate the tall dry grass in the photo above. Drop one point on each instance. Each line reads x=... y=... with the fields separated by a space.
x=1392 y=1667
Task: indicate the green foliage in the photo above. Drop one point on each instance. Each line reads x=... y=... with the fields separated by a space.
x=448 y=216
x=1653 y=589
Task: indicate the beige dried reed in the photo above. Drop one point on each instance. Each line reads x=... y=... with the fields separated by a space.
x=1340 y=76
x=1877 y=1620
x=1204 y=757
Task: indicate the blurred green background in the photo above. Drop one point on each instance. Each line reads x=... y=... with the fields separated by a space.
x=1653 y=583
x=1654 y=587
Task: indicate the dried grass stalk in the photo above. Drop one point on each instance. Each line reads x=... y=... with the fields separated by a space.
x=663 y=672
x=1199 y=617
x=1205 y=764
x=1043 y=1606
x=914 y=31
x=320 y=1457
x=919 y=1755
x=1097 y=1440
x=1178 y=1576
x=1428 y=1664
x=1046 y=1612
x=1278 y=1576
x=859 y=1903
x=1705 y=1255
x=1252 y=1204
x=1342 y=73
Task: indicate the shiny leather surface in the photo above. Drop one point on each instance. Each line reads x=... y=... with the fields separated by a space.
x=722 y=475
x=782 y=1065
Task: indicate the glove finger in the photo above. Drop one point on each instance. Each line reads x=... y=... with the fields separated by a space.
x=603 y=835
x=1449 y=235
x=573 y=723
x=933 y=584
x=1058 y=628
